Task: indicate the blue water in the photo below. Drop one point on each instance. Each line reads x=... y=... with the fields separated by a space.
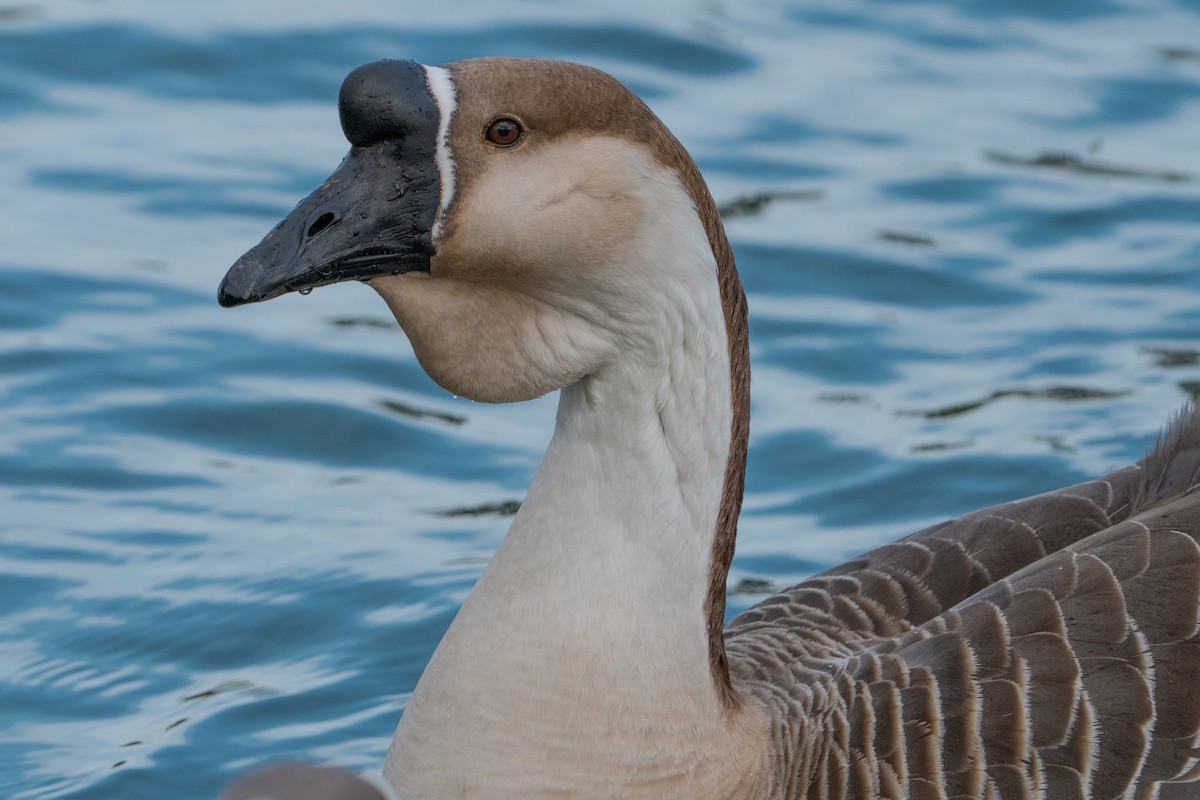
x=970 y=234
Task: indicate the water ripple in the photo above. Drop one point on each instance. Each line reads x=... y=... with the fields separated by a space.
x=968 y=234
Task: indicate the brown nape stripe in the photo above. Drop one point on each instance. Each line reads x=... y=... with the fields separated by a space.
x=670 y=152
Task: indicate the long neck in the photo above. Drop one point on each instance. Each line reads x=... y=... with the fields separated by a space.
x=587 y=642
x=614 y=543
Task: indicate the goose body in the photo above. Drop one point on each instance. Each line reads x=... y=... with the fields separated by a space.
x=533 y=226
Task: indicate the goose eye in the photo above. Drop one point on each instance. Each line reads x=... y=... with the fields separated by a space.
x=504 y=131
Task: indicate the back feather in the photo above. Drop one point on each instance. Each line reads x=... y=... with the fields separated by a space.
x=1047 y=647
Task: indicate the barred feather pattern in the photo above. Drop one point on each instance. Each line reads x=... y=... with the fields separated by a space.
x=1044 y=648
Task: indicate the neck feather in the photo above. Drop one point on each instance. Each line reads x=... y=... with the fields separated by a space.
x=606 y=599
x=669 y=151
x=628 y=527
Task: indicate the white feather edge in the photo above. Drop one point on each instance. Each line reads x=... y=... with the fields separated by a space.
x=441 y=86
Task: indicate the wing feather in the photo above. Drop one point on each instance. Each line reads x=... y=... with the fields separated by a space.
x=1047 y=647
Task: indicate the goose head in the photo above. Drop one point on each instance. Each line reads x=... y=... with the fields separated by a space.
x=507 y=210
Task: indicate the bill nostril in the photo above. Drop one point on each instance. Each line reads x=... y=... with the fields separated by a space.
x=321 y=223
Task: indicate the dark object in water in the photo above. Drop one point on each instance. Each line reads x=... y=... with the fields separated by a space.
x=297 y=780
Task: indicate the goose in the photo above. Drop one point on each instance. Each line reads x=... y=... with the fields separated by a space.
x=533 y=227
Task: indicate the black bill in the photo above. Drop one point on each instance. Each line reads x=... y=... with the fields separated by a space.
x=375 y=214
